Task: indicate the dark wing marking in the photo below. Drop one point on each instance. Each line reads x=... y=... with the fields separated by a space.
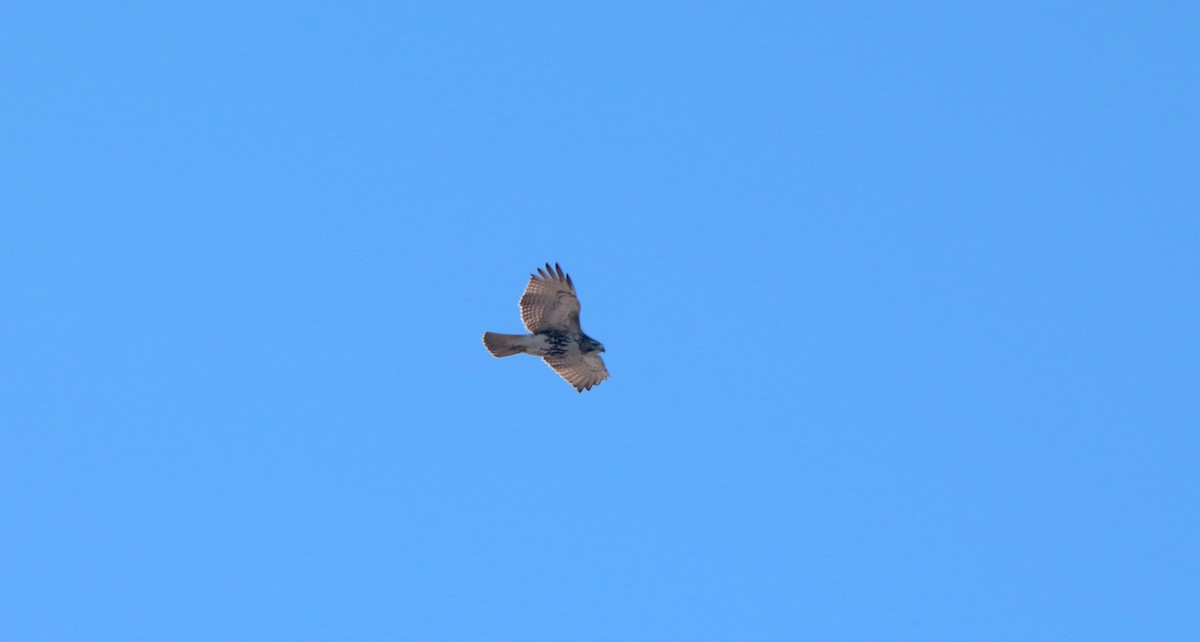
x=581 y=371
x=549 y=302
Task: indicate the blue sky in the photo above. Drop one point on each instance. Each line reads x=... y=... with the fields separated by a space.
x=899 y=302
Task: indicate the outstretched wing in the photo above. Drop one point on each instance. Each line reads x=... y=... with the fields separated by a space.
x=581 y=371
x=549 y=302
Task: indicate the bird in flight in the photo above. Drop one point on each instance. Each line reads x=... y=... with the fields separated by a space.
x=550 y=311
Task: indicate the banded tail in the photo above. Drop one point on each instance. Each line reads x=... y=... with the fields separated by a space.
x=505 y=345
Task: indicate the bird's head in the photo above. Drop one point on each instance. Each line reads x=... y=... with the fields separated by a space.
x=591 y=345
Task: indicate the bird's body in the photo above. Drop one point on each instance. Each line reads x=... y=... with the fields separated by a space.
x=550 y=311
x=549 y=343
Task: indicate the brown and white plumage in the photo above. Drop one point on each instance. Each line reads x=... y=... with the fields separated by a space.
x=583 y=371
x=549 y=302
x=550 y=311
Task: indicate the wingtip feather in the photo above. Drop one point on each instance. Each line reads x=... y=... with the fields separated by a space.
x=555 y=273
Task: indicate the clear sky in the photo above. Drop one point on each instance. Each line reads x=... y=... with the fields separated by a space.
x=900 y=302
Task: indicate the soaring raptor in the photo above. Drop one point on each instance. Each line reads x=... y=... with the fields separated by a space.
x=550 y=311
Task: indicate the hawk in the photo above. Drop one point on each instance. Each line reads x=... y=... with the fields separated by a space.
x=550 y=311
